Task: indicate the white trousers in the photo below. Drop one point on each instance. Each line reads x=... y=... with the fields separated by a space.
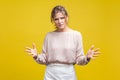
x=57 y=71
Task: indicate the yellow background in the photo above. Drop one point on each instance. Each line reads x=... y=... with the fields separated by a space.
x=23 y=22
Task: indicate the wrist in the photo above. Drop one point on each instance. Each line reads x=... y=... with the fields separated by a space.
x=88 y=58
x=35 y=56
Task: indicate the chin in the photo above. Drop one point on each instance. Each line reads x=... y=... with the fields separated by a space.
x=62 y=27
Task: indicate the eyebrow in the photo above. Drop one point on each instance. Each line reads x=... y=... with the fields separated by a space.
x=60 y=18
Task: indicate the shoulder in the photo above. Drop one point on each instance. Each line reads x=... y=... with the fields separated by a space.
x=78 y=33
x=48 y=34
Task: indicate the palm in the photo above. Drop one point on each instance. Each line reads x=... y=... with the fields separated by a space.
x=32 y=51
x=93 y=53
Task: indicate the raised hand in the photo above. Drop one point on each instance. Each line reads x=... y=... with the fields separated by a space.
x=93 y=53
x=32 y=51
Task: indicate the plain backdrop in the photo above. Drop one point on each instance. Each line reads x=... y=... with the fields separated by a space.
x=23 y=22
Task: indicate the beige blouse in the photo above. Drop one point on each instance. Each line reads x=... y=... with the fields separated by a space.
x=62 y=47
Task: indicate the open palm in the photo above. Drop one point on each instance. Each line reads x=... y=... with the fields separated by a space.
x=32 y=51
x=93 y=53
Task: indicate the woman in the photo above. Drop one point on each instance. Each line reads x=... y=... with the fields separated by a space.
x=62 y=49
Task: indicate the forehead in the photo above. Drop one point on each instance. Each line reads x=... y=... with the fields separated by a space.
x=59 y=14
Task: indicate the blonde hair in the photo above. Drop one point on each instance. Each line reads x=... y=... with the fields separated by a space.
x=57 y=9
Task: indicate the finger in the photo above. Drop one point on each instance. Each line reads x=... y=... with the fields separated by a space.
x=92 y=47
x=96 y=49
x=34 y=46
x=97 y=53
x=28 y=48
x=28 y=51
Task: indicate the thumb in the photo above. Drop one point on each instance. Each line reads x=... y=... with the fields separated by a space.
x=34 y=46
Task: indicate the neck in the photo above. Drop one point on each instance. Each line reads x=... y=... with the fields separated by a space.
x=63 y=30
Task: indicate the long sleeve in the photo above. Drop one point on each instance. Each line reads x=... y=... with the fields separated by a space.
x=81 y=59
x=42 y=57
x=62 y=47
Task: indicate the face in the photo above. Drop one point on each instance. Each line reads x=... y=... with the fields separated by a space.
x=60 y=21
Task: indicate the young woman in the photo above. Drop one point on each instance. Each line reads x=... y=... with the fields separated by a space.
x=62 y=49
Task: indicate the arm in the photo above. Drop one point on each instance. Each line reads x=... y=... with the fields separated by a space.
x=42 y=58
x=81 y=59
x=39 y=58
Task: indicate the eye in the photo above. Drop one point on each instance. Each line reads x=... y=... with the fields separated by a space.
x=56 y=19
x=62 y=17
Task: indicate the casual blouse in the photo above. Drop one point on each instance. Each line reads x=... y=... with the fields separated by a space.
x=62 y=47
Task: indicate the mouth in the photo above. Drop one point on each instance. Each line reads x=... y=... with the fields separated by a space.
x=60 y=25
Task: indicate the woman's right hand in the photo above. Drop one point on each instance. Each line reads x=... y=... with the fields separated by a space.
x=32 y=51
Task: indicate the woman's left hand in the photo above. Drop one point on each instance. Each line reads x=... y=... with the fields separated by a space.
x=93 y=53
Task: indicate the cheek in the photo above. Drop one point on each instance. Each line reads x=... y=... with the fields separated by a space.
x=65 y=20
x=55 y=22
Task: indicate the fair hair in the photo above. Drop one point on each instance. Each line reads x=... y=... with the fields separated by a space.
x=57 y=9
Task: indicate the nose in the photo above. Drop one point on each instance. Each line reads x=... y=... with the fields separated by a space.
x=60 y=20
